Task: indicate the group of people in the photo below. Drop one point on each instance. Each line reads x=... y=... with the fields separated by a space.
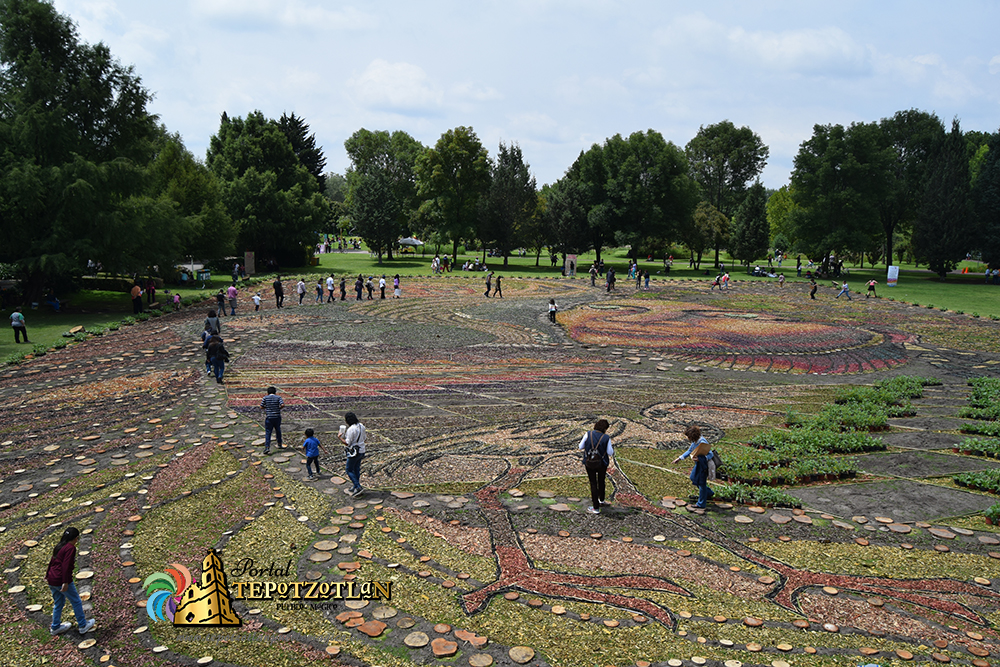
x=498 y=290
x=352 y=434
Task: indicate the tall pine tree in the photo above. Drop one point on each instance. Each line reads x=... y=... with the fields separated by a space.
x=986 y=202
x=751 y=230
x=943 y=231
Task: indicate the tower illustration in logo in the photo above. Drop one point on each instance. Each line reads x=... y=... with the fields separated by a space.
x=207 y=603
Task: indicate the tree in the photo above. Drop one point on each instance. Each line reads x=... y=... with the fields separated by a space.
x=296 y=130
x=393 y=156
x=569 y=228
x=374 y=210
x=702 y=228
x=75 y=136
x=909 y=137
x=205 y=229
x=944 y=230
x=724 y=159
x=751 y=231
x=780 y=208
x=509 y=203
x=986 y=201
x=270 y=195
x=451 y=177
x=838 y=180
x=634 y=189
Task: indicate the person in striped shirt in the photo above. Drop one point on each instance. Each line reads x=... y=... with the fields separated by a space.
x=271 y=404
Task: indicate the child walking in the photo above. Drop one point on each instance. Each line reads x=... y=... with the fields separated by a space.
x=552 y=310
x=60 y=578
x=312 y=447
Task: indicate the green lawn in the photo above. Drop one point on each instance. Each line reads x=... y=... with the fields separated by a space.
x=94 y=309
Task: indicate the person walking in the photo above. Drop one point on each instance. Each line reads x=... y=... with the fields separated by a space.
x=552 y=310
x=381 y=287
x=645 y=277
x=781 y=280
x=279 y=292
x=871 y=289
x=220 y=303
x=498 y=289
x=256 y=302
x=396 y=292
x=370 y=286
x=812 y=288
x=272 y=404
x=231 y=294
x=489 y=283
x=846 y=291
x=593 y=275
x=300 y=288
x=59 y=576
x=329 y=288
x=353 y=437
x=136 y=294
x=319 y=290
x=218 y=354
x=343 y=288
x=212 y=323
x=359 y=286
x=700 y=451
x=597 y=453
x=17 y=324
x=311 y=447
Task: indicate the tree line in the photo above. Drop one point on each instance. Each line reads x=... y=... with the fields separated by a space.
x=88 y=176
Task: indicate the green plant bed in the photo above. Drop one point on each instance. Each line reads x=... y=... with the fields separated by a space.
x=977 y=447
x=982 y=428
x=744 y=494
x=985 y=480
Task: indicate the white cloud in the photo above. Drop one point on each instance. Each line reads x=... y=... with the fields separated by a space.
x=400 y=87
x=823 y=50
x=475 y=92
x=995 y=65
x=262 y=14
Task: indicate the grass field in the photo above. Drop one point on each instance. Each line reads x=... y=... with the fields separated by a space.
x=94 y=309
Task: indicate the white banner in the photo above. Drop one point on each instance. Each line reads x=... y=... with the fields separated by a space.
x=893 y=275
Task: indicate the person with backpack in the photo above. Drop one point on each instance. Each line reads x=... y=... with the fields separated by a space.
x=597 y=453
x=701 y=452
x=217 y=353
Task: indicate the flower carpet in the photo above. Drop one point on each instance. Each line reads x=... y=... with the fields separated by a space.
x=475 y=495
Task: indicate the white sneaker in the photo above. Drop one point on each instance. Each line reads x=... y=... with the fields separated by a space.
x=63 y=627
x=89 y=626
x=593 y=511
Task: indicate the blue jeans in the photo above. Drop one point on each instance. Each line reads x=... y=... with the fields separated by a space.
x=218 y=367
x=271 y=424
x=699 y=477
x=59 y=599
x=354 y=470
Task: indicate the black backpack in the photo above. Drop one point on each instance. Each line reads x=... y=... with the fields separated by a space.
x=593 y=459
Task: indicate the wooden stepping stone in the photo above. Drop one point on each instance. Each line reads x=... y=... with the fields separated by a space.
x=941 y=533
x=329 y=530
x=942 y=548
x=372 y=628
x=384 y=613
x=982 y=581
x=402 y=495
x=831 y=627
x=988 y=539
x=756 y=510
x=903 y=654
x=416 y=639
x=900 y=528
x=962 y=531
x=480 y=660
x=884 y=519
x=861 y=541
x=349 y=567
x=801 y=624
x=86 y=462
x=511 y=595
x=741 y=518
x=405 y=623
x=803 y=518
x=940 y=657
x=443 y=648
x=546 y=494
x=767 y=581
x=89 y=438
x=841 y=524
x=978 y=651
x=859 y=519
x=560 y=507
x=752 y=622
x=320 y=556
x=521 y=654
x=780 y=519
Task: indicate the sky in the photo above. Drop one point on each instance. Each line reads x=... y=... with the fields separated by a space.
x=554 y=76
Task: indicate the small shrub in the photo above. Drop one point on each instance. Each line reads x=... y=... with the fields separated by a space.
x=128 y=321
x=993 y=513
x=142 y=317
x=930 y=306
x=39 y=350
x=975 y=314
x=915 y=304
x=960 y=312
x=994 y=317
x=114 y=326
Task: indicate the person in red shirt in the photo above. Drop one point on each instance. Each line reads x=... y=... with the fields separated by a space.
x=60 y=578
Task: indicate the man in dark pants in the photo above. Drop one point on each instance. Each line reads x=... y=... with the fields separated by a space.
x=272 y=404
x=279 y=292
